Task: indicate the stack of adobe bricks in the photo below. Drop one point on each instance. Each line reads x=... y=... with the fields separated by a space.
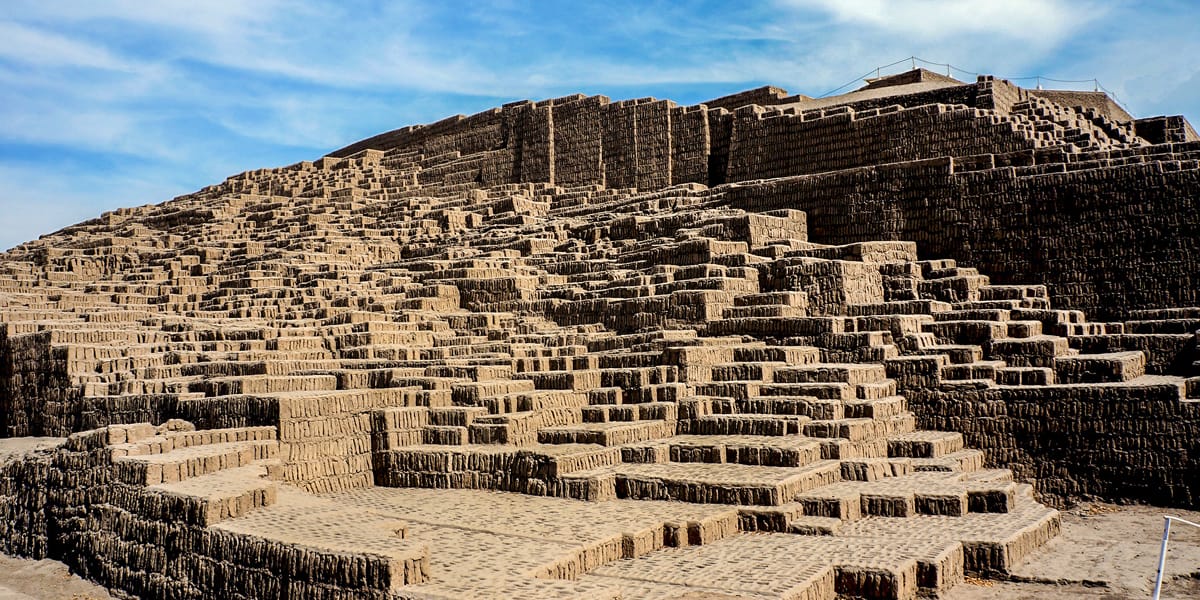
x=449 y=313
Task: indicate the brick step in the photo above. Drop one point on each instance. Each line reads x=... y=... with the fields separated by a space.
x=520 y=428
x=1033 y=351
x=1012 y=292
x=951 y=494
x=875 y=408
x=365 y=541
x=143 y=438
x=513 y=402
x=987 y=305
x=850 y=429
x=187 y=462
x=829 y=390
x=973 y=314
x=874 y=469
x=957 y=285
x=709 y=483
x=966 y=461
x=608 y=413
x=607 y=434
x=746 y=371
x=818 y=566
x=787 y=451
x=957 y=354
x=264 y=384
x=984 y=369
x=214 y=497
x=965 y=385
x=990 y=542
x=853 y=374
x=763 y=310
x=975 y=332
x=925 y=444
x=875 y=391
x=1100 y=368
x=538 y=461
x=806 y=406
x=902 y=307
x=1025 y=376
x=1165 y=325
x=744 y=424
x=791 y=355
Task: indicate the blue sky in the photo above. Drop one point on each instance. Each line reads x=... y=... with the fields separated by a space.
x=130 y=102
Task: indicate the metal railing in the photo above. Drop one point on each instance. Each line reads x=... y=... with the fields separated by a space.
x=1038 y=79
x=1162 y=555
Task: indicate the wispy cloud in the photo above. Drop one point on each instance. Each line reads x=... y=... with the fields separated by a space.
x=1033 y=21
x=32 y=46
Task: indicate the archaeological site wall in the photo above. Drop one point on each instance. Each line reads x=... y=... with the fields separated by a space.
x=888 y=331
x=1106 y=240
x=1021 y=181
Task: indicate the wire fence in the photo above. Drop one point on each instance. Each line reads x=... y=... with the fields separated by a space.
x=913 y=61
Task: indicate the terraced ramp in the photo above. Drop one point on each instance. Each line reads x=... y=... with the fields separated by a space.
x=532 y=353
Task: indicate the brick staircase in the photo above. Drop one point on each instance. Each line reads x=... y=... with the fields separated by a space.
x=343 y=332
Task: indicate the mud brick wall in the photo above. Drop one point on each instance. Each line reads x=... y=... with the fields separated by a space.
x=1098 y=101
x=325 y=442
x=8 y=417
x=66 y=503
x=531 y=135
x=763 y=96
x=1105 y=241
x=1136 y=443
x=690 y=145
x=35 y=395
x=1165 y=130
x=23 y=485
x=653 y=144
x=619 y=137
x=963 y=94
x=720 y=131
x=829 y=285
x=578 y=149
x=997 y=94
x=100 y=411
x=778 y=145
x=476 y=133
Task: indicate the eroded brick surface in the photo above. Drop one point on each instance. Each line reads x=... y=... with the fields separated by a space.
x=579 y=348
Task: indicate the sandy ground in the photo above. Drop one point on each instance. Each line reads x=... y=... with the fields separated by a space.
x=1105 y=552
x=24 y=579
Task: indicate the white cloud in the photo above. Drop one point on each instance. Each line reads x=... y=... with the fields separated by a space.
x=212 y=17
x=41 y=48
x=1035 y=21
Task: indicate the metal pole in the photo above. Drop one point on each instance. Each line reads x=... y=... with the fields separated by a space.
x=1162 y=557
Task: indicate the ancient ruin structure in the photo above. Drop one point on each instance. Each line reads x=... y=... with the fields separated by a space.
x=768 y=346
